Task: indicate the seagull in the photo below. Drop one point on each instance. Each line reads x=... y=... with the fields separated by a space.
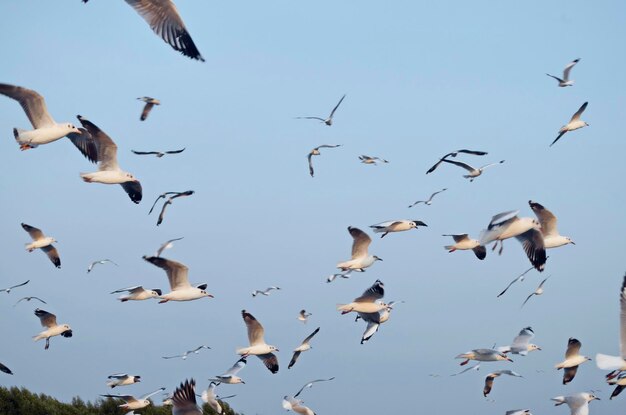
x=292 y=404
x=184 y=399
x=137 y=293
x=102 y=261
x=310 y=385
x=42 y=242
x=620 y=381
x=46 y=130
x=316 y=152
x=475 y=367
x=187 y=353
x=303 y=316
x=28 y=299
x=482 y=355
x=304 y=346
x=616 y=363
x=473 y=171
x=566 y=81
x=133 y=403
x=5 y=369
x=521 y=343
x=574 y=123
x=8 y=290
x=328 y=121
x=572 y=360
x=159 y=154
x=360 y=257
x=168 y=202
x=454 y=154
x=430 y=199
x=520 y=278
x=367 y=302
x=371 y=160
x=578 y=403
x=179 y=281
x=538 y=291
x=551 y=237
x=230 y=375
x=265 y=292
x=464 y=242
x=258 y=346
x=345 y=274
x=210 y=397
x=167 y=245
x=374 y=320
x=396 y=226
x=164 y=20
x=166 y=194
x=49 y=321
x=109 y=172
x=122 y=379
x=490 y=378
x=150 y=102
x=526 y=230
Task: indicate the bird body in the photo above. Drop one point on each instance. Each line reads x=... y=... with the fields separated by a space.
x=361 y=259
x=521 y=343
x=122 y=379
x=396 y=226
x=574 y=124
x=367 y=302
x=137 y=293
x=482 y=355
x=49 y=321
x=565 y=81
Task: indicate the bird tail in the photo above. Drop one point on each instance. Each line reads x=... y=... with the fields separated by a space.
x=560 y=400
x=38 y=337
x=450 y=248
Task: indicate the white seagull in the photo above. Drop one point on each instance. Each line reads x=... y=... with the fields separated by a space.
x=430 y=199
x=230 y=375
x=371 y=160
x=491 y=376
x=303 y=316
x=310 y=384
x=482 y=355
x=150 y=102
x=46 y=130
x=184 y=399
x=167 y=245
x=572 y=360
x=476 y=367
x=292 y=404
x=367 y=302
x=49 y=321
x=265 y=292
x=188 y=352
x=574 y=124
x=464 y=242
x=28 y=299
x=396 y=226
x=177 y=274
x=137 y=293
x=551 y=237
x=109 y=172
x=361 y=259
x=473 y=171
x=538 y=291
x=617 y=364
x=165 y=22
x=304 y=346
x=316 y=152
x=258 y=346
x=454 y=154
x=328 y=121
x=578 y=403
x=521 y=343
x=133 y=403
x=122 y=379
x=43 y=242
x=566 y=81
x=8 y=290
x=519 y=278
x=102 y=261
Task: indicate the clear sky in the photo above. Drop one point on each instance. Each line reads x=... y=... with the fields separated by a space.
x=422 y=79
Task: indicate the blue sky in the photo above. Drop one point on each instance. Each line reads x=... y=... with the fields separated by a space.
x=421 y=80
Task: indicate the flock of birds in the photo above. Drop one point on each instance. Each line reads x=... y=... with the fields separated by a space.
x=535 y=235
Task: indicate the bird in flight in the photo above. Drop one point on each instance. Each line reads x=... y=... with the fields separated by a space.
x=150 y=102
x=566 y=81
x=430 y=199
x=454 y=154
x=159 y=154
x=574 y=123
x=102 y=261
x=316 y=152
x=328 y=121
x=8 y=290
x=168 y=202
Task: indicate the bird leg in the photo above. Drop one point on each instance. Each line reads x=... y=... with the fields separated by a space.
x=163 y=301
x=25 y=146
x=501 y=247
x=464 y=363
x=47 y=343
x=383 y=235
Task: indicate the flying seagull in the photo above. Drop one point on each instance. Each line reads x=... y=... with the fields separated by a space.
x=187 y=353
x=168 y=202
x=490 y=378
x=482 y=355
x=109 y=172
x=164 y=20
x=5 y=369
x=616 y=364
x=209 y=396
x=303 y=316
x=551 y=237
x=49 y=321
x=8 y=290
x=42 y=242
x=258 y=346
x=46 y=130
x=102 y=261
x=167 y=245
x=230 y=376
x=620 y=383
x=122 y=379
x=316 y=152
x=578 y=403
x=473 y=171
x=361 y=259
x=521 y=343
x=28 y=299
x=304 y=346
x=310 y=385
x=464 y=242
x=367 y=302
x=454 y=154
x=150 y=102
x=184 y=399
x=328 y=121
x=374 y=320
x=177 y=274
x=566 y=81
x=137 y=293
x=159 y=154
x=572 y=360
x=519 y=278
x=371 y=160
x=538 y=291
x=476 y=367
x=396 y=226
x=133 y=403
x=430 y=199
x=265 y=292
x=574 y=124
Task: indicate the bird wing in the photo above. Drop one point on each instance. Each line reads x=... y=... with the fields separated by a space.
x=573 y=347
x=527 y=298
x=127 y=398
x=532 y=242
x=622 y=316
x=578 y=113
x=558 y=137
x=85 y=143
x=460 y=164
x=310 y=336
x=523 y=338
x=502 y=218
x=436 y=193
x=568 y=68
x=162 y=214
x=336 y=106
x=53 y=255
x=546 y=218
x=569 y=373
x=144 y=153
x=328 y=146
x=146 y=110
x=154 y=393
x=32 y=103
x=163 y=18
x=5 y=369
x=310 y=385
x=106 y=148
x=255 y=329
x=458 y=237
x=489 y=383
x=310 y=118
x=370 y=330
x=310 y=158
x=294 y=358
x=509 y=286
x=555 y=77
x=474 y=152
x=163 y=246
x=134 y=190
x=175 y=151
x=118 y=376
x=19 y=285
x=184 y=399
x=434 y=167
x=490 y=164
x=480 y=252
x=47 y=319
x=373 y=293
x=136 y=288
x=270 y=361
x=177 y=273
x=34 y=233
x=240 y=364
x=361 y=242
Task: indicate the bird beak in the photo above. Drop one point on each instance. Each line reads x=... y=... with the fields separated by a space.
x=210 y=295
x=572 y=242
x=509 y=359
x=595 y=397
x=379 y=259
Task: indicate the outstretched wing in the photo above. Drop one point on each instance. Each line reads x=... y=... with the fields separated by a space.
x=53 y=255
x=532 y=242
x=32 y=103
x=255 y=329
x=47 y=319
x=578 y=113
x=34 y=233
x=270 y=361
x=336 y=106
x=361 y=242
x=373 y=293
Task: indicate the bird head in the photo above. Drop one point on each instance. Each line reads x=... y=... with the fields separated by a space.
x=206 y=294
x=569 y=241
x=73 y=129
